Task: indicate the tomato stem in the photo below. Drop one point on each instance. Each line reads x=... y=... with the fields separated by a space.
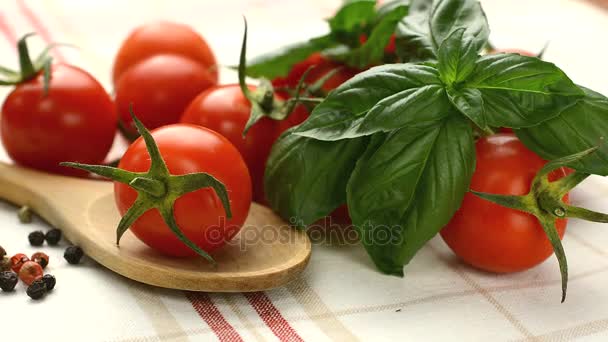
x=25 y=62
x=158 y=189
x=544 y=201
x=153 y=187
x=30 y=69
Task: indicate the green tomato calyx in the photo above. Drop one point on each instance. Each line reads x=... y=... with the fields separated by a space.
x=158 y=189
x=544 y=201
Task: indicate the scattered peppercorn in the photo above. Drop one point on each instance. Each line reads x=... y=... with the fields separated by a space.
x=25 y=214
x=73 y=254
x=36 y=238
x=2 y=252
x=53 y=236
x=50 y=281
x=40 y=258
x=8 y=281
x=5 y=264
x=17 y=261
x=30 y=272
x=37 y=290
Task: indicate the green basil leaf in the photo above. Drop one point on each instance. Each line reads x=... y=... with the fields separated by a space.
x=278 y=63
x=431 y=22
x=405 y=188
x=340 y=114
x=456 y=56
x=577 y=128
x=412 y=107
x=305 y=179
x=520 y=91
x=353 y=16
x=390 y=6
x=372 y=51
x=470 y=103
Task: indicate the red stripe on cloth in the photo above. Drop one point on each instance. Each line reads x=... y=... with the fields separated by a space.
x=39 y=27
x=7 y=31
x=205 y=308
x=272 y=317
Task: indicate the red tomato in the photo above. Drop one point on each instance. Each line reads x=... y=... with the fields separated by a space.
x=159 y=88
x=164 y=38
x=76 y=121
x=321 y=66
x=341 y=216
x=489 y=236
x=199 y=214
x=224 y=109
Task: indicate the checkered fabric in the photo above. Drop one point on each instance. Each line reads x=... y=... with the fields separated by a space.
x=340 y=296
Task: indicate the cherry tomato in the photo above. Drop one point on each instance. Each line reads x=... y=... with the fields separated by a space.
x=489 y=236
x=75 y=121
x=199 y=214
x=164 y=38
x=321 y=66
x=224 y=109
x=159 y=88
x=341 y=216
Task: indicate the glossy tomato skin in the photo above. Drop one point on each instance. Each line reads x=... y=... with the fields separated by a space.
x=164 y=37
x=75 y=121
x=199 y=214
x=159 y=88
x=224 y=109
x=489 y=236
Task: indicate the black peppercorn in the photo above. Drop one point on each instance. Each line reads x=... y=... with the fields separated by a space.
x=36 y=238
x=8 y=280
x=2 y=252
x=37 y=290
x=53 y=236
x=50 y=281
x=73 y=254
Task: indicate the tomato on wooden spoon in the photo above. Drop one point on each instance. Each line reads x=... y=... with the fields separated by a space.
x=56 y=113
x=183 y=189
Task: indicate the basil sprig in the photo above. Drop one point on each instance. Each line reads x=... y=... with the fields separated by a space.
x=356 y=18
x=415 y=123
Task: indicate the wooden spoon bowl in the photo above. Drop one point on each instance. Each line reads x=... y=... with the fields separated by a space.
x=267 y=253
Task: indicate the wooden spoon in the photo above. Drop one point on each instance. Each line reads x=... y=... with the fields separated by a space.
x=267 y=253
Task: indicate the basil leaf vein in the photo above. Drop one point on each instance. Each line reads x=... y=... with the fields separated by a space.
x=305 y=179
x=340 y=114
x=520 y=91
x=577 y=128
x=406 y=187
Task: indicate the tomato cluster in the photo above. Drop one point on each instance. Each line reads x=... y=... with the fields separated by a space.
x=167 y=74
